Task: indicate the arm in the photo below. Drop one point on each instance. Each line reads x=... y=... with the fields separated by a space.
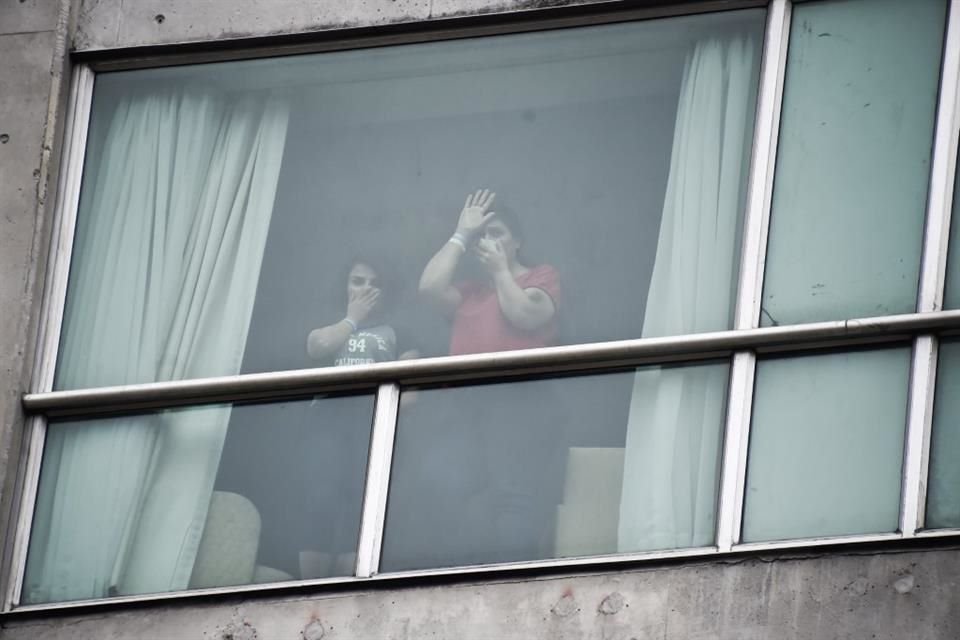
x=526 y=309
x=436 y=282
x=326 y=341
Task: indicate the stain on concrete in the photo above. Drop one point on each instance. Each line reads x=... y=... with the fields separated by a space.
x=314 y=631
x=904 y=585
x=239 y=631
x=612 y=604
x=566 y=606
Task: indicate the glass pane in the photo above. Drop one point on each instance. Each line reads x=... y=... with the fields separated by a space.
x=556 y=468
x=203 y=497
x=826 y=445
x=298 y=212
x=853 y=159
x=943 y=485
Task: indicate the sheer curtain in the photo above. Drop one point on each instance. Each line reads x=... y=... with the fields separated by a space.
x=675 y=419
x=168 y=252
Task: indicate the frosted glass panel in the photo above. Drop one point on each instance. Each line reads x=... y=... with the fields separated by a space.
x=826 y=445
x=853 y=159
x=943 y=486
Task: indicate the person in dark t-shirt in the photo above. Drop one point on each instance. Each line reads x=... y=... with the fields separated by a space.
x=363 y=336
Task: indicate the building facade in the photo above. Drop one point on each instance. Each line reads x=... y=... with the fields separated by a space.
x=699 y=381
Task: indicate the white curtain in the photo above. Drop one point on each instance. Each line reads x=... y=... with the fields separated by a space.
x=169 y=245
x=674 y=424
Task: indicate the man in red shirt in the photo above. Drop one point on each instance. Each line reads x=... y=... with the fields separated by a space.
x=516 y=308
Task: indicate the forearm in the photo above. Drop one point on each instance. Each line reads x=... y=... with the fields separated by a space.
x=438 y=274
x=327 y=340
x=522 y=309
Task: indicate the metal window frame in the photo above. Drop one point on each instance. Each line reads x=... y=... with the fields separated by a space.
x=740 y=344
x=931 y=288
x=67 y=202
x=377 y=486
x=753 y=259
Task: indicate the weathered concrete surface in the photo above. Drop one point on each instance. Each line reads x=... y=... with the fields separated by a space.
x=32 y=72
x=889 y=596
x=104 y=24
x=28 y=16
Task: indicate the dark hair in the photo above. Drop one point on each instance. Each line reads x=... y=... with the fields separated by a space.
x=509 y=217
x=390 y=284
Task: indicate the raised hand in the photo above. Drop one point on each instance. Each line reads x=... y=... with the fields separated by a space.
x=360 y=305
x=475 y=213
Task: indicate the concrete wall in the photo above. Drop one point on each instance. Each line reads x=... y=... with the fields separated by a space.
x=33 y=81
x=888 y=596
x=105 y=24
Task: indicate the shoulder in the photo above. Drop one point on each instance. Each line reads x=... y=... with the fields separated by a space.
x=544 y=277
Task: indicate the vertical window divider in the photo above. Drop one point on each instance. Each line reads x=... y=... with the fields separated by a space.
x=377 y=484
x=735 y=444
x=750 y=285
x=923 y=374
x=932 y=281
x=77 y=123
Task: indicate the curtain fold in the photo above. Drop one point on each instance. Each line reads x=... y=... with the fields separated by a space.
x=675 y=419
x=169 y=244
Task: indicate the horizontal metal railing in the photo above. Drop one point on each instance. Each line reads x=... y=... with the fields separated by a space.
x=485 y=367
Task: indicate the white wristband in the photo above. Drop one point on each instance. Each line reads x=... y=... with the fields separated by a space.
x=349 y=321
x=459 y=240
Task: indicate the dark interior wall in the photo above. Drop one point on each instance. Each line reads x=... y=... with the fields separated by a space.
x=587 y=181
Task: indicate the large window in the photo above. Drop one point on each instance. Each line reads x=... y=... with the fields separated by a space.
x=306 y=211
x=643 y=288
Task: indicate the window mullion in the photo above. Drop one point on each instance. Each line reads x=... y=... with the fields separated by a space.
x=378 y=480
x=65 y=221
x=736 y=440
x=48 y=338
x=747 y=314
x=919 y=420
x=18 y=539
x=932 y=280
x=762 y=165
x=943 y=165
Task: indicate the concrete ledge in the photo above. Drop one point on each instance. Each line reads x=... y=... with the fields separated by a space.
x=876 y=595
x=108 y=24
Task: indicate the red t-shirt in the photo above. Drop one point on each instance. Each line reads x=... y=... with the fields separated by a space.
x=480 y=327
